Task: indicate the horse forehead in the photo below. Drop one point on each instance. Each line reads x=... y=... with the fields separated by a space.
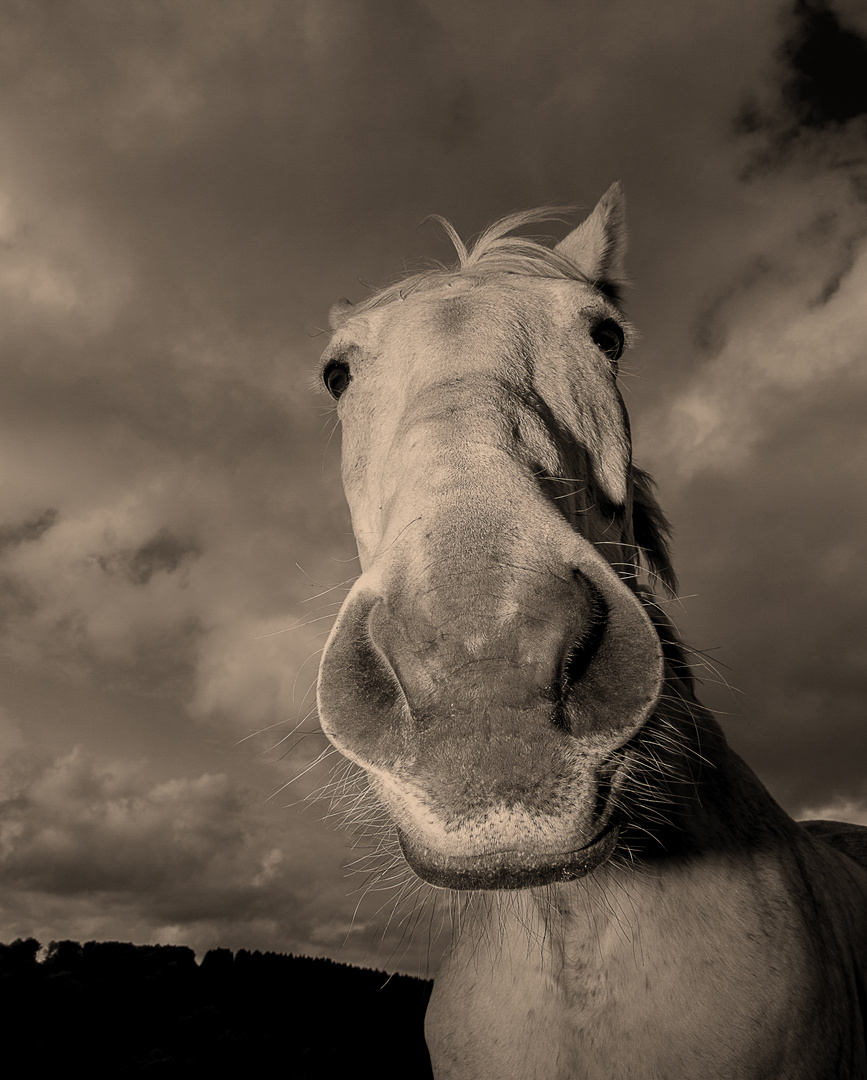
x=476 y=323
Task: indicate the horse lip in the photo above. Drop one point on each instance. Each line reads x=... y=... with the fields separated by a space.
x=508 y=869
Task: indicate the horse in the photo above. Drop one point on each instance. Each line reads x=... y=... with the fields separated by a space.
x=634 y=902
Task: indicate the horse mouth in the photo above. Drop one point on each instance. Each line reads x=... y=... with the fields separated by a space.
x=507 y=869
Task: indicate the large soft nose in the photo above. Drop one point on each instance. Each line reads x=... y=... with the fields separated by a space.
x=410 y=673
x=490 y=639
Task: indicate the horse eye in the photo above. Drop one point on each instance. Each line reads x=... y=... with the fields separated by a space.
x=609 y=337
x=337 y=377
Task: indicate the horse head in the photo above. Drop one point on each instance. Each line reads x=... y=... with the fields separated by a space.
x=495 y=660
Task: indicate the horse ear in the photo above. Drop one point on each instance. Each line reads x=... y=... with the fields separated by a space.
x=338 y=312
x=598 y=246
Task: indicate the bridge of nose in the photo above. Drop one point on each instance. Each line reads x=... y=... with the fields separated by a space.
x=476 y=588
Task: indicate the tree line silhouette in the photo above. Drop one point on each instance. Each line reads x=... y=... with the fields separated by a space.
x=120 y=1010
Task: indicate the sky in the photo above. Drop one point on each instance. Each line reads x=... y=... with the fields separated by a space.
x=185 y=189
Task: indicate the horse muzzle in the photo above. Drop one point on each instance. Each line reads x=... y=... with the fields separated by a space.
x=489 y=738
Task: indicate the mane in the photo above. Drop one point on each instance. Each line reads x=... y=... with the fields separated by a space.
x=494 y=252
x=651 y=529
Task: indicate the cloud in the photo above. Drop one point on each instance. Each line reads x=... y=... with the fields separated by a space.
x=826 y=61
x=162 y=573
x=816 y=88
x=854 y=810
x=72 y=826
x=772 y=340
x=54 y=267
x=99 y=849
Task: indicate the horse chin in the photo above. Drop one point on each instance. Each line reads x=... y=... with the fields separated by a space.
x=509 y=869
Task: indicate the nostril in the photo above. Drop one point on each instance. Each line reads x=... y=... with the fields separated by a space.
x=581 y=650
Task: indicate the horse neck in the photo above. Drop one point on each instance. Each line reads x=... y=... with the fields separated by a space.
x=707 y=798
x=709 y=804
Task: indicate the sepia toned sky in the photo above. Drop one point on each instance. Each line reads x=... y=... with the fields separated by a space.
x=185 y=188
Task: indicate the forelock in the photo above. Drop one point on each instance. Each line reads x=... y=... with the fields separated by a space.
x=496 y=251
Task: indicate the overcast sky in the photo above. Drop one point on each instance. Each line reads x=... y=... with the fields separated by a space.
x=185 y=188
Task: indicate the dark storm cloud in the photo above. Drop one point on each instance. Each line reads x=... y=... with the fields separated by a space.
x=819 y=87
x=12 y=535
x=827 y=63
x=162 y=552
